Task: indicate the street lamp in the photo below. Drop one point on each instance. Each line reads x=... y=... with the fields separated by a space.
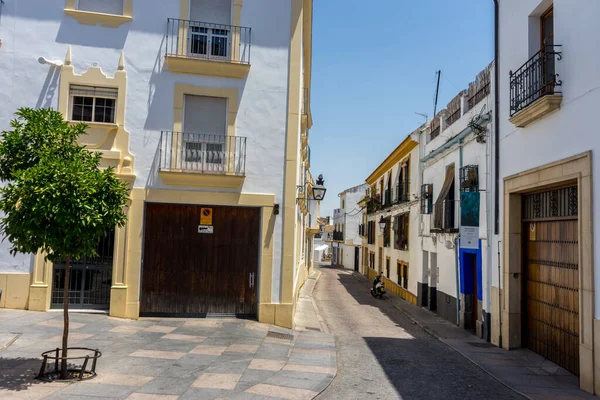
x=382 y=223
x=319 y=190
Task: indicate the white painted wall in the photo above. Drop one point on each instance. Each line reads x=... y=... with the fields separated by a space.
x=434 y=172
x=572 y=129
x=352 y=220
x=33 y=28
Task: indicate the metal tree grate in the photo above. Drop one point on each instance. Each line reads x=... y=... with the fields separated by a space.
x=278 y=335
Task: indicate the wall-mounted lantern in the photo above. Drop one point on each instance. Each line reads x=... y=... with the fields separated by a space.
x=319 y=190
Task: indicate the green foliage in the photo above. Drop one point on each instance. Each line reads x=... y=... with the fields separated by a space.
x=56 y=198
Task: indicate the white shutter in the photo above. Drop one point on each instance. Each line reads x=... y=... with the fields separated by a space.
x=213 y=11
x=207 y=115
x=101 y=6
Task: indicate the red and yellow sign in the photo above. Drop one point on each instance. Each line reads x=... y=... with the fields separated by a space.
x=206 y=215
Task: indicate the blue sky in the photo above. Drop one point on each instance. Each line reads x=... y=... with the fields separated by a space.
x=374 y=66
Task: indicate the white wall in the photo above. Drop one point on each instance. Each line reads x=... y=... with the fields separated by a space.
x=434 y=172
x=33 y=28
x=572 y=129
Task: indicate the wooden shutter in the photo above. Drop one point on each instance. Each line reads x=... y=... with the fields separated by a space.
x=396 y=233
x=104 y=6
x=438 y=218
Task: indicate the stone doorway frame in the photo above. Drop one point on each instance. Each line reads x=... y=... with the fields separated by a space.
x=576 y=169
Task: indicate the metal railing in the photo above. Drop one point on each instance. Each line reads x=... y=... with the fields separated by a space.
x=205 y=40
x=208 y=154
x=338 y=235
x=374 y=204
x=534 y=79
x=402 y=192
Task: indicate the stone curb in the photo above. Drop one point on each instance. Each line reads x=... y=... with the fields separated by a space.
x=434 y=334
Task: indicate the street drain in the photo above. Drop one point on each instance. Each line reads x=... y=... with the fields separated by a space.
x=310 y=328
x=484 y=345
x=277 y=335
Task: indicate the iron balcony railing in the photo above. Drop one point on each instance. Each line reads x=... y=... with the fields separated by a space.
x=535 y=79
x=402 y=192
x=205 y=40
x=208 y=154
x=338 y=235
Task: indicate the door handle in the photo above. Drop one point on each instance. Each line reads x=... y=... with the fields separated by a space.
x=251 y=279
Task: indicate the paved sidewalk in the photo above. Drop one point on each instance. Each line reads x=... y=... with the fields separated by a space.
x=307 y=317
x=171 y=358
x=522 y=370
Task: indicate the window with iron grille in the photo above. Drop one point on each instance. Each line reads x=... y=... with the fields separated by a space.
x=387 y=268
x=469 y=178
x=399 y=272
x=405 y=277
x=427 y=198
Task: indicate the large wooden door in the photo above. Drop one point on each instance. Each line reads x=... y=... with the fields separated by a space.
x=187 y=273
x=551 y=276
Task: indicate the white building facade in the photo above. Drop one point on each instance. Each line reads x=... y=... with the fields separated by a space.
x=201 y=106
x=351 y=216
x=455 y=165
x=545 y=289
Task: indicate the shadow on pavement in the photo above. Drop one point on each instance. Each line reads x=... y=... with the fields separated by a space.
x=18 y=374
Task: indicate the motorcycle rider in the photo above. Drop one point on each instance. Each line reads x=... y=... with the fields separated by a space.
x=377 y=281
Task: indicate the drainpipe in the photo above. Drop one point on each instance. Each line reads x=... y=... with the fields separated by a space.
x=457 y=238
x=496 y=119
x=456 y=254
x=497 y=154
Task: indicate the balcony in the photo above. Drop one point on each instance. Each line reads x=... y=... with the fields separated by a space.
x=193 y=159
x=194 y=47
x=533 y=86
x=338 y=236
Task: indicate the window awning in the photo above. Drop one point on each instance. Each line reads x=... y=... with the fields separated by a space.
x=438 y=218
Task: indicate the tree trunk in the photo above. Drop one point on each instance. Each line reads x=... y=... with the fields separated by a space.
x=65 y=338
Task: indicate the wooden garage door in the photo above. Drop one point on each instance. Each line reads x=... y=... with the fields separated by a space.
x=551 y=276
x=187 y=273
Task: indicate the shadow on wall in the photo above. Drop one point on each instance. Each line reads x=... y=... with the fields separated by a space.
x=72 y=32
x=48 y=89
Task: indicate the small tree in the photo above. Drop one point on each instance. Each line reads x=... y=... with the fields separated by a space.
x=56 y=199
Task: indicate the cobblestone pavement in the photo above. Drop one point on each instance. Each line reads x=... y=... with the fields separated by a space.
x=167 y=358
x=382 y=354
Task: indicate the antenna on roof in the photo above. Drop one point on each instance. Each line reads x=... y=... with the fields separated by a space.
x=437 y=91
x=423 y=115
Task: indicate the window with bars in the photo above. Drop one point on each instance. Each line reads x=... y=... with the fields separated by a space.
x=93 y=104
x=387 y=268
x=405 y=276
x=399 y=273
x=427 y=198
x=401 y=230
x=469 y=178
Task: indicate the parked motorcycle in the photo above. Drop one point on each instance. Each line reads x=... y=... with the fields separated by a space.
x=378 y=289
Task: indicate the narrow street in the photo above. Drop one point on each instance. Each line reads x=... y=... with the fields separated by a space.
x=382 y=354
